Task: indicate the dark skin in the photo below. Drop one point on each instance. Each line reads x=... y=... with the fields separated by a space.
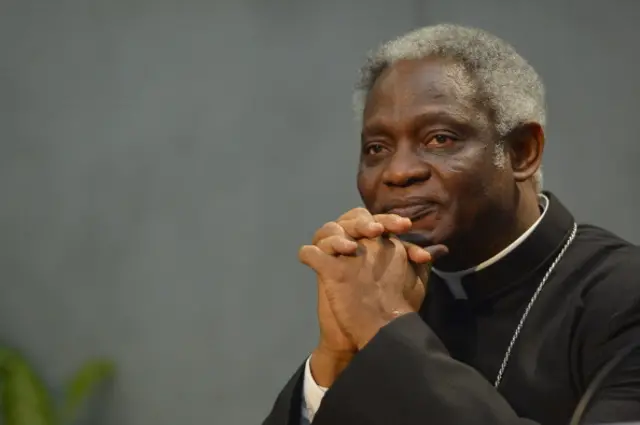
x=428 y=140
x=426 y=134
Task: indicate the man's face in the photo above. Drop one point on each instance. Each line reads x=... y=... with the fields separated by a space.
x=429 y=152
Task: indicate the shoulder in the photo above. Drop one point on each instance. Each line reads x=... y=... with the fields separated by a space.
x=611 y=271
x=611 y=259
x=597 y=236
x=610 y=283
x=607 y=296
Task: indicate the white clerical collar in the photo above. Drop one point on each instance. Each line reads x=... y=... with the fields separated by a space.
x=453 y=279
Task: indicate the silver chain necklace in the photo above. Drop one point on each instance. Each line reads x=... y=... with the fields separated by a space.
x=516 y=334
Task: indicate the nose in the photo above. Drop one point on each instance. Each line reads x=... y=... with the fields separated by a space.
x=406 y=169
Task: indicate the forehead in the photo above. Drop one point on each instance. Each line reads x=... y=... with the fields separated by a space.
x=412 y=87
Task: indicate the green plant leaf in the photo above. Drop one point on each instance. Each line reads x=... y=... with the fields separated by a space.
x=5 y=355
x=82 y=384
x=25 y=399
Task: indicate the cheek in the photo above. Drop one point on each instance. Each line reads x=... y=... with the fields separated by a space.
x=465 y=175
x=366 y=183
x=467 y=181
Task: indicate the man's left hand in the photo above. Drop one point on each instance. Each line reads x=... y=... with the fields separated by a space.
x=369 y=289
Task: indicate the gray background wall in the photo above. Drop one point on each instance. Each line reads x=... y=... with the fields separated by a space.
x=161 y=162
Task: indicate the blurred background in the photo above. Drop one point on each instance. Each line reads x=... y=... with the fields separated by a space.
x=162 y=160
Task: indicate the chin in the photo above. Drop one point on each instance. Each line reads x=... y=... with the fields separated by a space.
x=433 y=230
x=425 y=237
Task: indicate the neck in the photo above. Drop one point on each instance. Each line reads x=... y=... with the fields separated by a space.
x=493 y=234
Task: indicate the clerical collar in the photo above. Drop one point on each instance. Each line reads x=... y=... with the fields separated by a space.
x=517 y=260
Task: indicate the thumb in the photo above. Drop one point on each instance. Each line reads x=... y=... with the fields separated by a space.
x=437 y=251
x=420 y=249
x=312 y=256
x=416 y=253
x=423 y=271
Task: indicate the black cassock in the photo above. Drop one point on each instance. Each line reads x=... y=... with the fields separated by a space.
x=439 y=367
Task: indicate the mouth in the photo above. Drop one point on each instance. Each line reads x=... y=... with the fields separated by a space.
x=414 y=212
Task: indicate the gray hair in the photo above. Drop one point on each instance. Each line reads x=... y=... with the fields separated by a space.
x=510 y=86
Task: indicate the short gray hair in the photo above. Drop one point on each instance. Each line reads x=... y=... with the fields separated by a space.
x=510 y=86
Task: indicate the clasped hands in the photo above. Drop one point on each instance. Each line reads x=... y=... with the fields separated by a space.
x=366 y=278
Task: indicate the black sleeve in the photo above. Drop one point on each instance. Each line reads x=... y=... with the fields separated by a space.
x=611 y=323
x=391 y=381
x=618 y=398
x=287 y=407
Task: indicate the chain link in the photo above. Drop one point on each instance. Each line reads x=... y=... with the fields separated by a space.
x=516 y=334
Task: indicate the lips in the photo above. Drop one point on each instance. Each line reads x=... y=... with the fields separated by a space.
x=413 y=212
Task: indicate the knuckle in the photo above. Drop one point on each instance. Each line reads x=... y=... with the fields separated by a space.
x=327 y=229
x=364 y=221
x=340 y=242
x=348 y=227
x=328 y=226
x=303 y=253
x=388 y=217
x=354 y=213
x=327 y=245
x=361 y=212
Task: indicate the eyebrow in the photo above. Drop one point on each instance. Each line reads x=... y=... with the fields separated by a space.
x=449 y=116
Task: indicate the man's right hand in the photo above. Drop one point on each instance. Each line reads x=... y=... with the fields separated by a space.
x=335 y=349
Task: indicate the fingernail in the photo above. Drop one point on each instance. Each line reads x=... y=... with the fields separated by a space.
x=429 y=256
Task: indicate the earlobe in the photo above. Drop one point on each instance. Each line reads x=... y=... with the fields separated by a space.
x=526 y=145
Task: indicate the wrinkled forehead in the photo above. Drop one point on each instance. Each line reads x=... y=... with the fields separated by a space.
x=410 y=85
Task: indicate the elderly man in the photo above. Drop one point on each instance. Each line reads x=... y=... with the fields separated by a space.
x=523 y=307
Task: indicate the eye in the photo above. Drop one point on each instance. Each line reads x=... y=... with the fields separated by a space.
x=374 y=149
x=441 y=140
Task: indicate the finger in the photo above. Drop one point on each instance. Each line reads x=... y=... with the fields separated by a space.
x=327 y=230
x=368 y=226
x=312 y=256
x=355 y=213
x=417 y=254
x=393 y=223
x=422 y=271
x=362 y=227
x=399 y=248
x=337 y=245
x=437 y=251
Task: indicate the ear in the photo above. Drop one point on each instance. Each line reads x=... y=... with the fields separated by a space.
x=525 y=145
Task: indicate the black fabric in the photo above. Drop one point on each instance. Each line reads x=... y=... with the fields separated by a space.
x=627 y=356
x=439 y=367
x=287 y=408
